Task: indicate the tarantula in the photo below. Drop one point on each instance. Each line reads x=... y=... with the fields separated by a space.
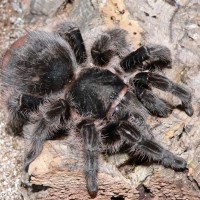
x=53 y=85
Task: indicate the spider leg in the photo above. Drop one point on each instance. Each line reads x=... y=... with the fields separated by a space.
x=16 y=119
x=44 y=124
x=140 y=122
x=154 y=104
x=110 y=138
x=19 y=106
x=149 y=56
x=109 y=44
x=34 y=140
x=71 y=33
x=131 y=109
x=29 y=102
x=112 y=141
x=142 y=145
x=117 y=134
x=91 y=148
x=144 y=80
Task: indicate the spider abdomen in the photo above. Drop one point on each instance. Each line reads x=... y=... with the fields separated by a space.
x=95 y=90
x=44 y=64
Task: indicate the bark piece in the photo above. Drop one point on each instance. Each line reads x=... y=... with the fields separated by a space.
x=58 y=174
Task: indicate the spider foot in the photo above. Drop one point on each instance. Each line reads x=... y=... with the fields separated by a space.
x=170 y=160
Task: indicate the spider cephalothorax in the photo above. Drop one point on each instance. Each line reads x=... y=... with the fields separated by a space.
x=52 y=84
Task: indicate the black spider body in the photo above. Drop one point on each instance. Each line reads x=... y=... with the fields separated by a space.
x=49 y=88
x=54 y=67
x=94 y=91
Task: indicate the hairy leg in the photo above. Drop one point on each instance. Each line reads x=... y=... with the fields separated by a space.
x=29 y=103
x=19 y=106
x=111 y=137
x=147 y=57
x=91 y=150
x=71 y=33
x=117 y=134
x=44 y=124
x=34 y=137
x=111 y=140
x=144 y=80
x=155 y=105
x=109 y=44
x=143 y=146
x=132 y=110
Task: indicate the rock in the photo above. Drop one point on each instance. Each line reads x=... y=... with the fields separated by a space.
x=45 y=7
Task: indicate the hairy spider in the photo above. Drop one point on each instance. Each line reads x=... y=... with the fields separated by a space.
x=52 y=85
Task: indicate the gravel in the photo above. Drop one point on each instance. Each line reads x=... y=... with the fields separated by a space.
x=11 y=149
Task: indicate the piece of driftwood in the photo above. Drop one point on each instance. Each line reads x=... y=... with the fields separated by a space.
x=58 y=172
